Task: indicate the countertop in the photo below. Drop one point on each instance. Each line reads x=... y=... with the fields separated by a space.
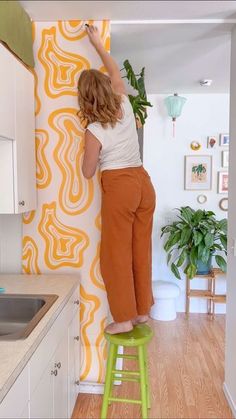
x=14 y=355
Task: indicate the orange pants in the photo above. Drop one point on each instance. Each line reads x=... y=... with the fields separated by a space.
x=128 y=203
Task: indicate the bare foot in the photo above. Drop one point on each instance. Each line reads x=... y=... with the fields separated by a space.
x=122 y=327
x=140 y=319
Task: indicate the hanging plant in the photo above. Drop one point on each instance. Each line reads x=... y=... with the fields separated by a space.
x=139 y=101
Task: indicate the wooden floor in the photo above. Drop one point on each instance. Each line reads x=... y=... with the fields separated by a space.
x=186 y=367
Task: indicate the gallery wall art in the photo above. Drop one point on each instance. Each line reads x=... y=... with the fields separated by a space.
x=198 y=172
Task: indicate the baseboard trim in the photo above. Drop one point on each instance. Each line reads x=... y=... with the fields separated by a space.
x=229 y=399
x=91 y=388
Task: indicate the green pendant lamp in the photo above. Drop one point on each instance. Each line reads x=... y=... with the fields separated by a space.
x=174 y=106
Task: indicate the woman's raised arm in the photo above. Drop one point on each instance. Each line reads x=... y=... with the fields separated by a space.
x=109 y=62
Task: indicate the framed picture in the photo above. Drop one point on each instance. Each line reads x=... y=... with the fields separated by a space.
x=225 y=158
x=211 y=141
x=223 y=179
x=224 y=140
x=198 y=173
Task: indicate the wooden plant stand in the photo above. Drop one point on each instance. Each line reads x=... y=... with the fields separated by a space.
x=217 y=298
x=208 y=294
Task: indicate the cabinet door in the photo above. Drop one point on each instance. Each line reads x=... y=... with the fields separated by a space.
x=6 y=177
x=7 y=97
x=15 y=403
x=24 y=144
x=26 y=412
x=77 y=349
x=41 y=401
x=60 y=380
x=73 y=363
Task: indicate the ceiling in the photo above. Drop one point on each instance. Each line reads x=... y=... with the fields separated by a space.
x=176 y=57
x=127 y=10
x=175 y=52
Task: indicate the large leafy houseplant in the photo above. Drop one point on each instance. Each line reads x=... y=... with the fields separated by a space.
x=195 y=236
x=139 y=101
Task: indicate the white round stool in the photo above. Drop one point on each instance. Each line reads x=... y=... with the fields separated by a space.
x=164 y=296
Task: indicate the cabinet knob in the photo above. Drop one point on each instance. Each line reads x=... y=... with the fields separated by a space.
x=57 y=365
x=77 y=302
x=54 y=372
x=76 y=337
x=22 y=203
x=77 y=382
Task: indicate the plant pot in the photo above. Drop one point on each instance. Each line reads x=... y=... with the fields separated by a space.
x=204 y=268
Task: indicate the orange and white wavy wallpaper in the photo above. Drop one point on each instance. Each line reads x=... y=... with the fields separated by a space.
x=63 y=234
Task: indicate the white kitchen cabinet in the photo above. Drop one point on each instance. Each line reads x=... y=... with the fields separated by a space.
x=15 y=404
x=41 y=401
x=7 y=89
x=7 y=200
x=26 y=413
x=52 y=387
x=24 y=144
x=46 y=388
x=73 y=362
x=17 y=136
x=60 y=387
x=55 y=388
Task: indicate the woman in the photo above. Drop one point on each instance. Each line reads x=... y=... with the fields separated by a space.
x=128 y=197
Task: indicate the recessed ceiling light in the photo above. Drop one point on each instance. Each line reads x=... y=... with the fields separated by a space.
x=205 y=82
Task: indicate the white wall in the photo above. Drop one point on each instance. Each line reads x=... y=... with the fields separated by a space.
x=10 y=243
x=202 y=115
x=230 y=355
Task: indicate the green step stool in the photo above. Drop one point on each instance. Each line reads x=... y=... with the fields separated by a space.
x=139 y=337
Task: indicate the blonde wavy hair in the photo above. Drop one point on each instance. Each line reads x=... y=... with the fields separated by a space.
x=97 y=101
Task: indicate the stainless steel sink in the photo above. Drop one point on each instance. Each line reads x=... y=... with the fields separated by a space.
x=20 y=313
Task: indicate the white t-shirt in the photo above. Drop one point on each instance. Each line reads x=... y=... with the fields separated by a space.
x=120 y=147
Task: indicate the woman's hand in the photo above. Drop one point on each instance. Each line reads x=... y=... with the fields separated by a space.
x=110 y=64
x=94 y=35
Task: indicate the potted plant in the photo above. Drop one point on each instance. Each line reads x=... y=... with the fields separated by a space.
x=139 y=101
x=193 y=240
